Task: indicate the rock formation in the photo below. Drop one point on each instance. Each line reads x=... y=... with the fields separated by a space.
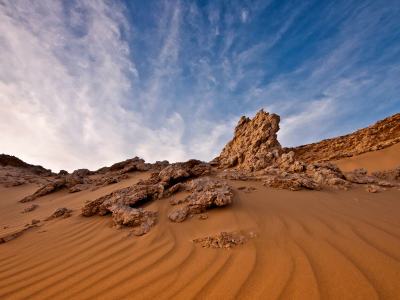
x=9 y=160
x=73 y=182
x=59 y=212
x=388 y=174
x=16 y=182
x=78 y=187
x=124 y=215
x=30 y=208
x=205 y=193
x=383 y=134
x=254 y=145
x=12 y=236
x=118 y=171
x=222 y=240
x=119 y=202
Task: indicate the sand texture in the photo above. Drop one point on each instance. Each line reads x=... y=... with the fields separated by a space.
x=372 y=161
x=328 y=244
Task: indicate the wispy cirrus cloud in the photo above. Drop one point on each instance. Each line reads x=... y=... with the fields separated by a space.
x=89 y=83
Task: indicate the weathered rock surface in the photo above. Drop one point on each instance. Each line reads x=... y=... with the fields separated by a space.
x=358 y=177
x=205 y=193
x=254 y=145
x=178 y=171
x=235 y=175
x=74 y=182
x=120 y=201
x=45 y=189
x=383 y=134
x=289 y=173
x=222 y=240
x=173 y=189
x=59 y=212
x=292 y=183
x=118 y=171
x=388 y=174
x=109 y=178
x=11 y=183
x=385 y=184
x=144 y=189
x=124 y=215
x=9 y=160
x=30 y=208
x=78 y=188
x=12 y=236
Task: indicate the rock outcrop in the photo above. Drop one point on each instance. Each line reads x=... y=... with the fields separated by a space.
x=223 y=240
x=9 y=160
x=383 y=134
x=388 y=174
x=16 y=182
x=78 y=188
x=119 y=202
x=124 y=215
x=30 y=208
x=73 y=182
x=205 y=193
x=118 y=171
x=254 y=146
x=59 y=212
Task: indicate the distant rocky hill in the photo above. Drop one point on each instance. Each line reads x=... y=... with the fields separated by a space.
x=12 y=161
x=382 y=134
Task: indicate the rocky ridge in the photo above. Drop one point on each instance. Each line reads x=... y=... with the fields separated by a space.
x=381 y=135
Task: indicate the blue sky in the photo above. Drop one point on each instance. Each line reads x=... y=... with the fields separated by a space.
x=89 y=83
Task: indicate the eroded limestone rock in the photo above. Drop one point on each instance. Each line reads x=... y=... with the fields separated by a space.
x=254 y=145
x=11 y=183
x=385 y=184
x=124 y=215
x=205 y=193
x=388 y=174
x=30 y=208
x=381 y=135
x=173 y=189
x=60 y=212
x=222 y=240
x=9 y=237
x=78 y=188
x=292 y=183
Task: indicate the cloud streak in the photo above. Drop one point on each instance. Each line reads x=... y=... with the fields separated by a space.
x=89 y=83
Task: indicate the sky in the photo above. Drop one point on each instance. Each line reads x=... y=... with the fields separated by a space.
x=85 y=84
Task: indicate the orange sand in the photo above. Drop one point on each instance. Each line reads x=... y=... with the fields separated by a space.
x=372 y=161
x=311 y=245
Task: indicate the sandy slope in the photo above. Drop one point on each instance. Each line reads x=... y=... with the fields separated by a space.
x=329 y=244
x=372 y=161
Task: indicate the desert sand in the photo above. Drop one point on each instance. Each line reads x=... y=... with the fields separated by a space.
x=307 y=244
x=372 y=161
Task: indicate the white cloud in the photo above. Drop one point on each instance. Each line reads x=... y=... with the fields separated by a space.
x=245 y=14
x=65 y=79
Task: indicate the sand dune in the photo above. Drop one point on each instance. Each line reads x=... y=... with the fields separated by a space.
x=372 y=161
x=330 y=244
